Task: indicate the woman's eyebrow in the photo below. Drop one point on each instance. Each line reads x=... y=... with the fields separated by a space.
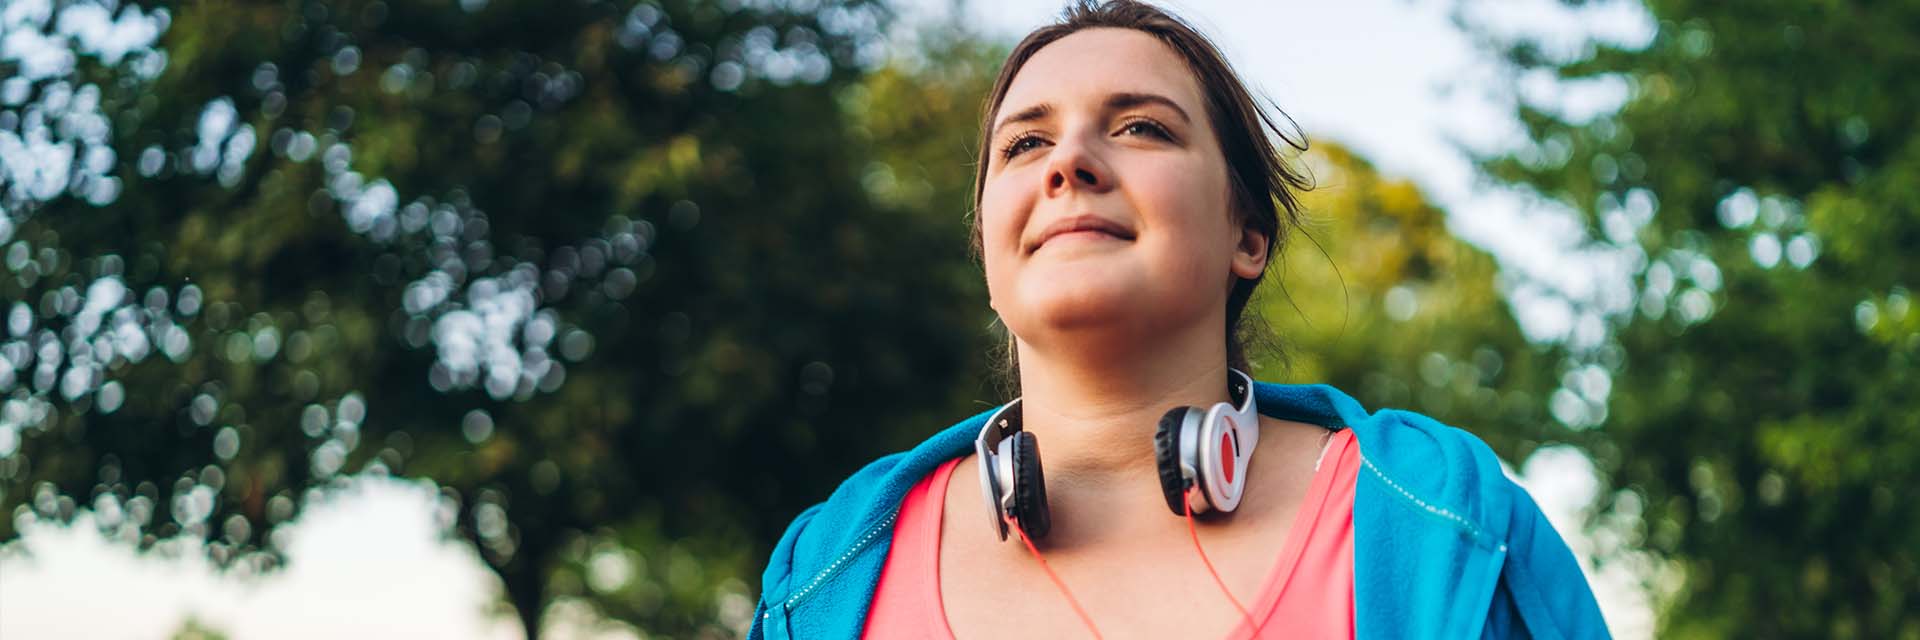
x=1028 y=114
x=1115 y=102
x=1128 y=100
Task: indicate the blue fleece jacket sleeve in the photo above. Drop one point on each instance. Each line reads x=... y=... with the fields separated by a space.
x=778 y=566
x=1549 y=592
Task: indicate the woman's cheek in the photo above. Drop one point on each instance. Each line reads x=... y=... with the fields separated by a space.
x=996 y=273
x=999 y=249
x=1000 y=219
x=1186 y=271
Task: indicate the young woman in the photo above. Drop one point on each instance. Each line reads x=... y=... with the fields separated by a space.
x=1129 y=198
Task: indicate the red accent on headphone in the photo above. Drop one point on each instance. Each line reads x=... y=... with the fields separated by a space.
x=1226 y=461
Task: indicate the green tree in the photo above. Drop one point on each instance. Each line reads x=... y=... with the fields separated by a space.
x=617 y=277
x=911 y=127
x=1376 y=297
x=1763 y=420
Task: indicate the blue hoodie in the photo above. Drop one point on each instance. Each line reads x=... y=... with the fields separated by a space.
x=1444 y=544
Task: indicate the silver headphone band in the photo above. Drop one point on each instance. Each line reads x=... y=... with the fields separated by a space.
x=1190 y=428
x=995 y=484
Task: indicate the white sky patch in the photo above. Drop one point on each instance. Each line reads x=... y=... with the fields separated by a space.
x=80 y=28
x=478 y=343
x=99 y=32
x=216 y=121
x=34 y=167
x=38 y=166
x=365 y=563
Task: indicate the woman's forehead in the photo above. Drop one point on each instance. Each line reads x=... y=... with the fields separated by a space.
x=1085 y=67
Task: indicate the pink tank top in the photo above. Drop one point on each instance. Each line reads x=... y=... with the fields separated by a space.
x=1308 y=594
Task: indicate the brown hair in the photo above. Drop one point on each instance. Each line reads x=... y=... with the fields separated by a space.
x=1263 y=183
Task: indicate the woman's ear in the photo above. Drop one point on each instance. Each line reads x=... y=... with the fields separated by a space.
x=1250 y=254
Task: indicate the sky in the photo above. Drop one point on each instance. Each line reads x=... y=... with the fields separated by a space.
x=1395 y=80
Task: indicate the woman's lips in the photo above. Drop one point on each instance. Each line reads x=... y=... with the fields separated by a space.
x=1082 y=228
x=1084 y=235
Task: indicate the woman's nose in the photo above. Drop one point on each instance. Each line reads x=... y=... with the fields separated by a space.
x=1073 y=167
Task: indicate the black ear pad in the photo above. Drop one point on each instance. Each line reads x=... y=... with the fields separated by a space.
x=1166 y=453
x=1029 y=487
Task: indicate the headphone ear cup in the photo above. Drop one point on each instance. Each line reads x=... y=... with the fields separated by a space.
x=1029 y=487
x=1166 y=453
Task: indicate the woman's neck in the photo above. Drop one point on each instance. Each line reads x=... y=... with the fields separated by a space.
x=1095 y=417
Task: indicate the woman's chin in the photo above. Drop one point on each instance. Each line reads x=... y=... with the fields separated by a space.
x=1084 y=303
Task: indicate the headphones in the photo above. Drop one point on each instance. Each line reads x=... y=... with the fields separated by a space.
x=1208 y=448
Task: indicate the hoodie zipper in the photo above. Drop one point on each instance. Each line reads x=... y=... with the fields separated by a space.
x=840 y=562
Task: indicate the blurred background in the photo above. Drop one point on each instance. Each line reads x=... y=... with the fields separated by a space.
x=478 y=318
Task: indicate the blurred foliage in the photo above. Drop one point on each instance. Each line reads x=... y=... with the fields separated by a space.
x=620 y=275
x=1376 y=297
x=1763 y=421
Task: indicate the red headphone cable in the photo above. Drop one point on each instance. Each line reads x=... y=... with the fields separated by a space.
x=1186 y=506
x=1192 y=531
x=1056 y=578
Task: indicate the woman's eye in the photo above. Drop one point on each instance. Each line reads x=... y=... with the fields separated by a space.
x=1020 y=145
x=1143 y=127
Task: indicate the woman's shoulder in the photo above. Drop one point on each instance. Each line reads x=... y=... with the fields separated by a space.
x=1447 y=474
x=1428 y=477
x=1431 y=454
x=1417 y=461
x=858 y=513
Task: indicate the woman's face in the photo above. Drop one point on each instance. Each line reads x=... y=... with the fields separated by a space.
x=1106 y=201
